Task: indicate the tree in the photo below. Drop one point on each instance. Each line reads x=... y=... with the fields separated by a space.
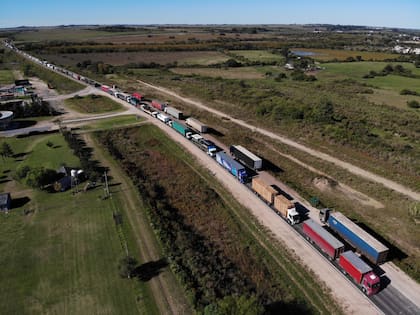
x=413 y=104
x=232 y=305
x=39 y=177
x=126 y=266
x=6 y=150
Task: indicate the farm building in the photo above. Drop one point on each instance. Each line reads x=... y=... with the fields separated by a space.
x=70 y=177
x=5 y=201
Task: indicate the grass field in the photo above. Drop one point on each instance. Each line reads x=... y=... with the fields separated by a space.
x=111 y=123
x=93 y=104
x=61 y=256
x=6 y=77
x=332 y=54
x=121 y=58
x=228 y=73
x=258 y=55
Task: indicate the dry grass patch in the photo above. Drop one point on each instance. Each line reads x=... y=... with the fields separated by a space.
x=229 y=73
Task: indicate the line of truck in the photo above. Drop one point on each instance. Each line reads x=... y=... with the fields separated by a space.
x=238 y=163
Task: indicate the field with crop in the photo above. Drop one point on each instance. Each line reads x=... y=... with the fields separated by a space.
x=211 y=250
x=341 y=55
x=61 y=251
x=259 y=55
x=93 y=104
x=163 y=58
x=115 y=122
x=226 y=73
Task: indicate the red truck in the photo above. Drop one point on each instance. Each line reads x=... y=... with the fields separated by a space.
x=137 y=96
x=315 y=233
x=105 y=88
x=159 y=106
x=360 y=272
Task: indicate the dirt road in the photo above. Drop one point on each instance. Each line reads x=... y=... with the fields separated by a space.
x=326 y=157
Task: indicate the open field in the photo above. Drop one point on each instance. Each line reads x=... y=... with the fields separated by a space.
x=62 y=255
x=121 y=58
x=93 y=104
x=111 y=123
x=341 y=55
x=219 y=228
x=228 y=73
x=259 y=55
x=6 y=77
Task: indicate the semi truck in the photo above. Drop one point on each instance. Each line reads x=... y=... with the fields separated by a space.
x=158 y=105
x=148 y=110
x=173 y=112
x=134 y=101
x=137 y=96
x=183 y=130
x=316 y=234
x=123 y=96
x=163 y=118
x=105 y=88
x=235 y=168
x=206 y=145
x=196 y=124
x=246 y=157
x=360 y=272
x=265 y=191
x=362 y=241
x=286 y=209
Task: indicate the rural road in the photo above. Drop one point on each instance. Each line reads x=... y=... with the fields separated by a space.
x=326 y=157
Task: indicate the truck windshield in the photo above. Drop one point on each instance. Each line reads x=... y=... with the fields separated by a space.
x=376 y=285
x=295 y=218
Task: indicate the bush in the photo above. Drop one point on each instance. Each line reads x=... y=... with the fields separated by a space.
x=413 y=104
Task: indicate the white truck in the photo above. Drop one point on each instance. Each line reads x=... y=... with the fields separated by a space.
x=163 y=118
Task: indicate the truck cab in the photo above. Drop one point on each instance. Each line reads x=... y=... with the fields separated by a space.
x=293 y=216
x=324 y=214
x=371 y=284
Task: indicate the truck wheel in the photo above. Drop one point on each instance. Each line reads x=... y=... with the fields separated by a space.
x=364 y=290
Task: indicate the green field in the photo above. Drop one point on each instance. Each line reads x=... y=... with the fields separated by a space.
x=228 y=73
x=341 y=54
x=6 y=77
x=115 y=122
x=259 y=55
x=61 y=256
x=93 y=104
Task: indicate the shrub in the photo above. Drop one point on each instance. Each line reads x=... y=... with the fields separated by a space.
x=413 y=104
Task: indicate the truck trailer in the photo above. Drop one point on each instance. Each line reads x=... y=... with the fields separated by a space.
x=206 y=145
x=360 y=272
x=137 y=96
x=315 y=233
x=183 y=130
x=105 y=88
x=196 y=124
x=265 y=191
x=235 y=168
x=158 y=105
x=173 y=112
x=246 y=157
x=163 y=118
x=286 y=209
x=362 y=241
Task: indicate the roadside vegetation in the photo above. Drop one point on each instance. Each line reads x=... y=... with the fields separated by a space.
x=93 y=104
x=213 y=255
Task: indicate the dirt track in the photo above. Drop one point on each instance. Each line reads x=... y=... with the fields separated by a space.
x=326 y=157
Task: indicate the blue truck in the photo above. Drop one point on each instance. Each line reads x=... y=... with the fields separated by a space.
x=362 y=241
x=235 y=168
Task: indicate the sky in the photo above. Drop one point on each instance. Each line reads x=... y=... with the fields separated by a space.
x=387 y=13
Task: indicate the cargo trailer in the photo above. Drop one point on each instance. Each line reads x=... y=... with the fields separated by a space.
x=158 y=105
x=315 y=233
x=265 y=191
x=286 y=209
x=180 y=128
x=137 y=96
x=134 y=101
x=173 y=112
x=105 y=88
x=362 y=241
x=246 y=157
x=360 y=272
x=235 y=168
x=163 y=118
x=196 y=124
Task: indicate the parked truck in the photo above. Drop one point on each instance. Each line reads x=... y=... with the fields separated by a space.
x=105 y=88
x=134 y=101
x=183 y=130
x=158 y=105
x=148 y=110
x=316 y=234
x=235 y=168
x=286 y=209
x=196 y=124
x=206 y=145
x=163 y=118
x=265 y=191
x=173 y=112
x=137 y=96
x=362 y=241
x=360 y=272
x=246 y=157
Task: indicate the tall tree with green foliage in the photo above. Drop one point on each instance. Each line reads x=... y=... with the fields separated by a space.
x=6 y=150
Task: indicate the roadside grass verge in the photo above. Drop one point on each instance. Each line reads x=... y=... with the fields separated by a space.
x=112 y=123
x=221 y=224
x=93 y=104
x=60 y=251
x=226 y=73
x=6 y=77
